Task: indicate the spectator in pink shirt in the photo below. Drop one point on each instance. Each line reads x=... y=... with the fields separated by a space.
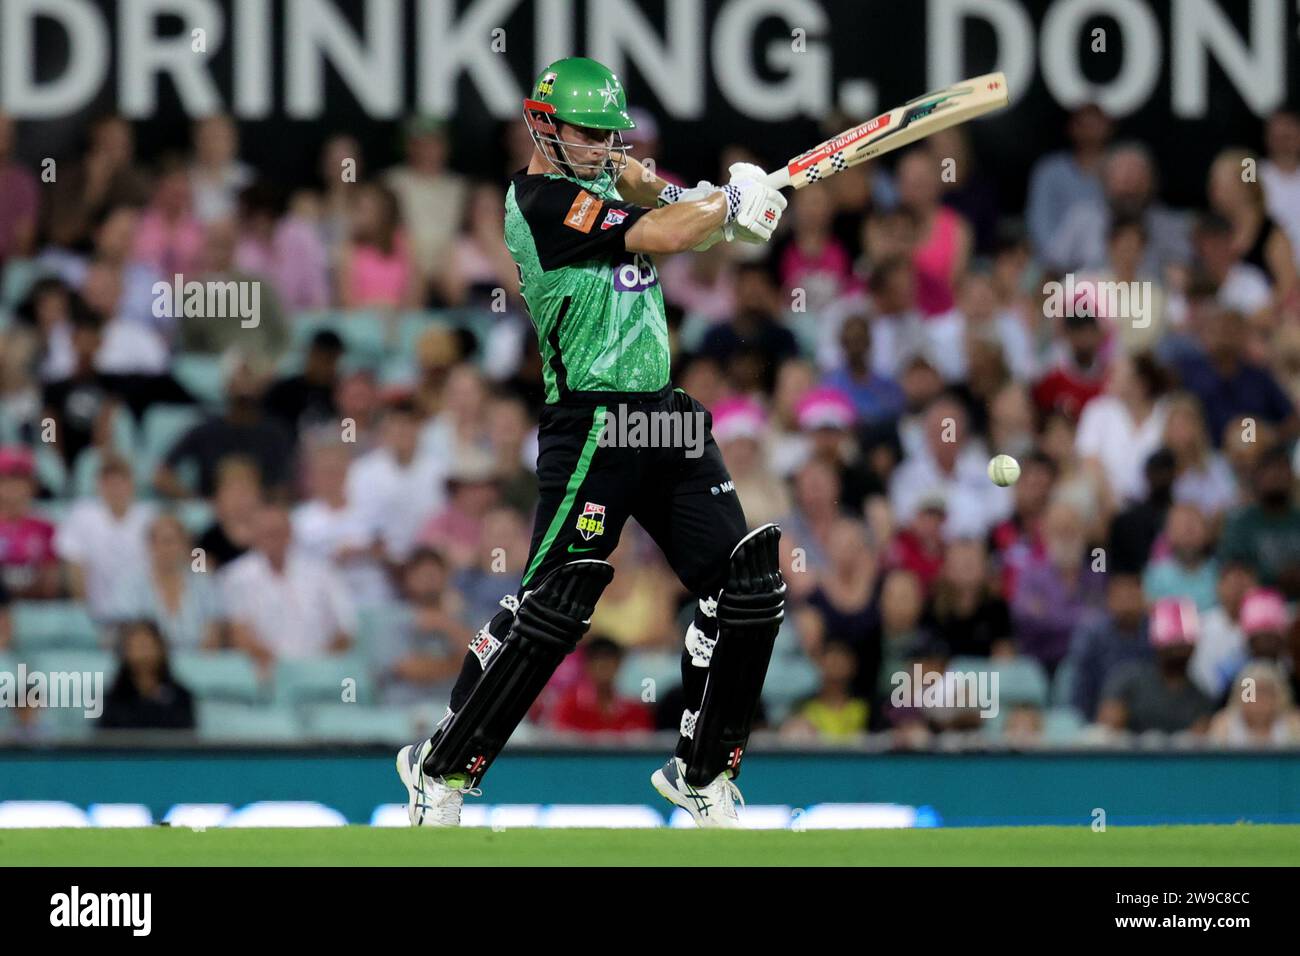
x=286 y=251
x=169 y=238
x=814 y=260
x=375 y=268
x=19 y=209
x=944 y=245
x=28 y=564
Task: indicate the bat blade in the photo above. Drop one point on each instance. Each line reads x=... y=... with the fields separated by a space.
x=902 y=125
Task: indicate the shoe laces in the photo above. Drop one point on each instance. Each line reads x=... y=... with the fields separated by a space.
x=723 y=791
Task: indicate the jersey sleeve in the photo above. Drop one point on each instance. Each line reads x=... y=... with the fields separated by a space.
x=570 y=224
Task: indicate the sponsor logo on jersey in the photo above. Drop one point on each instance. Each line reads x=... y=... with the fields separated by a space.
x=612 y=218
x=634 y=273
x=592 y=520
x=725 y=488
x=582 y=214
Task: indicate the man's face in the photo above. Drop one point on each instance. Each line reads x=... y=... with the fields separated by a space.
x=1124 y=600
x=855 y=336
x=1089 y=128
x=116 y=488
x=1224 y=336
x=427 y=151
x=16 y=492
x=273 y=533
x=1128 y=181
x=1085 y=340
x=585 y=149
x=1284 y=136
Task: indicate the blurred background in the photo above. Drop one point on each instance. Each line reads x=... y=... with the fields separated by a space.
x=275 y=537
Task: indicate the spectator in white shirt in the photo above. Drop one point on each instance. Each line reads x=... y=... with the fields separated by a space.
x=1121 y=428
x=333 y=527
x=1222 y=644
x=398 y=485
x=217 y=175
x=953 y=466
x=283 y=604
x=1280 y=174
x=103 y=539
x=976 y=316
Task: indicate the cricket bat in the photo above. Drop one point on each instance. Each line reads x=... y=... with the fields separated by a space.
x=904 y=124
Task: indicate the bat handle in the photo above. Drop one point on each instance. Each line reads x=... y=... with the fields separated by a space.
x=779 y=179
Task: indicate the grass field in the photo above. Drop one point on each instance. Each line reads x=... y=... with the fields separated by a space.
x=1241 y=844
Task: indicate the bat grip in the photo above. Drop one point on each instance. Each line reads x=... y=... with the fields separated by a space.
x=779 y=179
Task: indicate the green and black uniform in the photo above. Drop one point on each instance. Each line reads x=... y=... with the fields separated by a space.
x=599 y=315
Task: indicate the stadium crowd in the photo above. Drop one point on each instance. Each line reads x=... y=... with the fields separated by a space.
x=341 y=482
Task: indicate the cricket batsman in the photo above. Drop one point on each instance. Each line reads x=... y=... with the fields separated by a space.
x=583 y=223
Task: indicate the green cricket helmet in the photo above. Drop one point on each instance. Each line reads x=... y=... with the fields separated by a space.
x=580 y=92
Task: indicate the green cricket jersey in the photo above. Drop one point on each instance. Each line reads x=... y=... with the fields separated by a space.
x=597 y=308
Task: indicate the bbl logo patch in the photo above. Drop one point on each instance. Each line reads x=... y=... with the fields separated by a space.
x=546 y=86
x=592 y=520
x=612 y=218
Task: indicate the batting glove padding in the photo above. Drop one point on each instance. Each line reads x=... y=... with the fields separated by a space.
x=752 y=206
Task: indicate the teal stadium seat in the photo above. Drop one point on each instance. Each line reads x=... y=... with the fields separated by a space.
x=1062 y=727
x=411 y=325
x=366 y=334
x=76 y=659
x=71 y=723
x=196 y=516
x=1021 y=680
x=19 y=277
x=163 y=427
x=321 y=680
x=358 y=724
x=53 y=625
x=218 y=675
x=201 y=376
x=226 y=722
x=374 y=620
x=1063 y=683
x=51 y=472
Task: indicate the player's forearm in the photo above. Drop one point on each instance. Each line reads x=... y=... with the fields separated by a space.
x=678 y=227
x=639 y=185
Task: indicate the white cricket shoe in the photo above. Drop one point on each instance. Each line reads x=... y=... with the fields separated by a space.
x=430 y=802
x=713 y=806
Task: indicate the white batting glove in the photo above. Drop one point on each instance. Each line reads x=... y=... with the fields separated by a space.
x=753 y=207
x=744 y=171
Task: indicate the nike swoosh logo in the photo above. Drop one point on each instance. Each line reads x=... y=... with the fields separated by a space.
x=573 y=550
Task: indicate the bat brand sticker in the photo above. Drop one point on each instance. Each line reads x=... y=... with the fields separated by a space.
x=582 y=214
x=592 y=520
